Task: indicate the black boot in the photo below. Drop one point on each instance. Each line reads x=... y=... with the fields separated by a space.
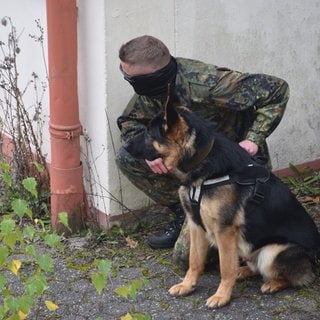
x=166 y=238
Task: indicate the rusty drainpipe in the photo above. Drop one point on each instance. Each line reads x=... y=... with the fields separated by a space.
x=67 y=192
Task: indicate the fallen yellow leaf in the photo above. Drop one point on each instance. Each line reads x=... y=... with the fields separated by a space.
x=131 y=243
x=14 y=266
x=50 y=305
x=126 y=317
x=22 y=315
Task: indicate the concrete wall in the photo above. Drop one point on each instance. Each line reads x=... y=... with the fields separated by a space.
x=275 y=37
x=279 y=37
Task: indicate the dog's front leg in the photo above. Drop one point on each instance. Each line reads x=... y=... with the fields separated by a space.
x=228 y=256
x=197 y=258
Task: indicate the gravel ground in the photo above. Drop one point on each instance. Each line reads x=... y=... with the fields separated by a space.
x=71 y=288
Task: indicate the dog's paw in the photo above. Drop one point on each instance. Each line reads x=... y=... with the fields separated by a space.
x=245 y=272
x=217 y=301
x=274 y=285
x=181 y=289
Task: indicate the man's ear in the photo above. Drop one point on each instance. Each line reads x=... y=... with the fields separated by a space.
x=171 y=115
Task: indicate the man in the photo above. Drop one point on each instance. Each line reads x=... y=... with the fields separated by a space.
x=246 y=107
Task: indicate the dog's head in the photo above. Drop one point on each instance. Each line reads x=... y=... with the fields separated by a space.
x=168 y=136
x=173 y=135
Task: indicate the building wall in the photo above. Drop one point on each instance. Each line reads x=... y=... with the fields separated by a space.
x=31 y=58
x=274 y=37
x=279 y=37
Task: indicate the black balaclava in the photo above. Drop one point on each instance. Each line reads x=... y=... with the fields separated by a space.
x=154 y=85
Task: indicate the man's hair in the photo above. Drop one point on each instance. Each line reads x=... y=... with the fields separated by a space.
x=145 y=50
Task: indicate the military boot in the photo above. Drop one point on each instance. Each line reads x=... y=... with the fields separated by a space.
x=167 y=237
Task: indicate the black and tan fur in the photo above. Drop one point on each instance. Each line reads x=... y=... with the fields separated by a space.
x=276 y=237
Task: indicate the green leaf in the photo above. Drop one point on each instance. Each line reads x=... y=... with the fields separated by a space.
x=45 y=262
x=7 y=226
x=4 y=253
x=2 y=312
x=20 y=207
x=132 y=292
x=141 y=316
x=137 y=284
x=123 y=291
x=104 y=266
x=25 y=303
x=52 y=239
x=99 y=280
x=29 y=232
x=12 y=303
x=4 y=166
x=38 y=166
x=29 y=213
x=63 y=218
x=7 y=179
x=36 y=284
x=10 y=240
x=31 y=250
x=3 y=281
x=19 y=235
x=16 y=316
x=30 y=184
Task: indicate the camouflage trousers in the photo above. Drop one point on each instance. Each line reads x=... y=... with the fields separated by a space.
x=163 y=189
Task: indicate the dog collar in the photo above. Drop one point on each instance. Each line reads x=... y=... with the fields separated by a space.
x=201 y=155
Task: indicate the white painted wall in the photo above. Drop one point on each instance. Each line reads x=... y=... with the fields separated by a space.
x=30 y=59
x=280 y=37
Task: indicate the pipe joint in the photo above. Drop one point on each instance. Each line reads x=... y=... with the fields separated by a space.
x=65 y=132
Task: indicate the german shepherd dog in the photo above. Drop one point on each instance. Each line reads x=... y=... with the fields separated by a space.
x=231 y=203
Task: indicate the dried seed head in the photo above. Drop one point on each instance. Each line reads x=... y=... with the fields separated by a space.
x=4 y=21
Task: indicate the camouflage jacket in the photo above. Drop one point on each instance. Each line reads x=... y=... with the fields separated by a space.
x=242 y=105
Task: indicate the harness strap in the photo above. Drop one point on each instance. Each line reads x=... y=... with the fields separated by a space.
x=195 y=195
x=251 y=175
x=196 y=192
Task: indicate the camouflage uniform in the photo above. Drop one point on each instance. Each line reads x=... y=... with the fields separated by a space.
x=242 y=105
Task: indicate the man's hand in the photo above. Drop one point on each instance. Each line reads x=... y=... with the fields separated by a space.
x=157 y=166
x=249 y=146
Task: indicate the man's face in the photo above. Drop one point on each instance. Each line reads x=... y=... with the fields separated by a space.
x=137 y=70
x=148 y=80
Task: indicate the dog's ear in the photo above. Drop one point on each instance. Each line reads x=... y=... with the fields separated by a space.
x=171 y=116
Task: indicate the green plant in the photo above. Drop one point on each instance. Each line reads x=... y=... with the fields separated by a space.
x=19 y=236
x=24 y=193
x=305 y=185
x=23 y=122
x=131 y=291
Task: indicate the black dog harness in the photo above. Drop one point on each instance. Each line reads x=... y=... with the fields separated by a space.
x=250 y=176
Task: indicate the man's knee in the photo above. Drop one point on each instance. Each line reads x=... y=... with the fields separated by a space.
x=122 y=156
x=127 y=163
